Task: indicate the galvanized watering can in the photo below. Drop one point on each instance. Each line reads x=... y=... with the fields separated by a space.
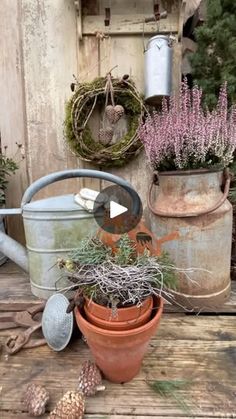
x=53 y=227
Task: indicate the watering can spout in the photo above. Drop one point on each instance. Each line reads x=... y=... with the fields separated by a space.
x=10 y=247
x=14 y=251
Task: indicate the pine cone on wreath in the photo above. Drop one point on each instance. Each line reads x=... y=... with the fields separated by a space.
x=90 y=379
x=110 y=113
x=70 y=406
x=35 y=399
x=119 y=112
x=105 y=136
x=114 y=113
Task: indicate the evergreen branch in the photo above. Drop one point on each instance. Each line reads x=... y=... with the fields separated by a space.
x=169 y=389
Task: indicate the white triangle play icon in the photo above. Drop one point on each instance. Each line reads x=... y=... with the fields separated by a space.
x=116 y=209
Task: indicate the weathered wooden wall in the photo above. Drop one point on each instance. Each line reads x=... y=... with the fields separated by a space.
x=124 y=48
x=12 y=109
x=40 y=53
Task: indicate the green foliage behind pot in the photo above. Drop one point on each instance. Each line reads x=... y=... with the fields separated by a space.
x=214 y=61
x=7 y=167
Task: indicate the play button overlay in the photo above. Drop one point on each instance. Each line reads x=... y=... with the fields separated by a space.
x=116 y=211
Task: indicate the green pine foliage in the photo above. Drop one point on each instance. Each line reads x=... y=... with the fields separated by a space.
x=7 y=167
x=170 y=389
x=91 y=251
x=214 y=62
x=125 y=254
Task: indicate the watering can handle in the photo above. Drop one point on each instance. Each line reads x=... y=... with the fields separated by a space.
x=67 y=174
x=189 y=214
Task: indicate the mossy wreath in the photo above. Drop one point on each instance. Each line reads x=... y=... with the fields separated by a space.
x=88 y=97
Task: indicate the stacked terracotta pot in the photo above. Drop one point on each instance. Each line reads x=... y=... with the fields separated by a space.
x=118 y=340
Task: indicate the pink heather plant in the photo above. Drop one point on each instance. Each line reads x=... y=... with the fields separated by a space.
x=184 y=136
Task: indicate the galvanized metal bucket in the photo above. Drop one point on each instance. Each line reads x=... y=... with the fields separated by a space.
x=192 y=204
x=158 y=69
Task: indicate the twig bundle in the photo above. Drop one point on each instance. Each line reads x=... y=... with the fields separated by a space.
x=122 y=278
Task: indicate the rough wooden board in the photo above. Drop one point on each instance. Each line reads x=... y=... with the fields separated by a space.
x=14 y=283
x=19 y=415
x=9 y=268
x=208 y=363
x=129 y=24
x=88 y=68
x=186 y=328
x=127 y=7
x=12 y=112
x=49 y=45
x=88 y=63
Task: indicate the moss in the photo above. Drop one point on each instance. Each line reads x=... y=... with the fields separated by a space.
x=82 y=143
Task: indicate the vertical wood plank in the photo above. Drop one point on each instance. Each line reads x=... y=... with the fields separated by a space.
x=12 y=110
x=127 y=52
x=88 y=69
x=50 y=59
x=177 y=62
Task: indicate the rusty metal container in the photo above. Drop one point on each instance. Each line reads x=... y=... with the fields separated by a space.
x=192 y=205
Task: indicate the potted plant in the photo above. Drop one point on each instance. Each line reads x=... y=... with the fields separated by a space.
x=189 y=148
x=7 y=167
x=123 y=304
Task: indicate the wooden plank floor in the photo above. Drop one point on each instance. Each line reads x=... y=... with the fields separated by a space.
x=201 y=349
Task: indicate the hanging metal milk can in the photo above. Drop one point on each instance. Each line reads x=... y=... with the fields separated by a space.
x=192 y=204
x=158 y=69
x=53 y=228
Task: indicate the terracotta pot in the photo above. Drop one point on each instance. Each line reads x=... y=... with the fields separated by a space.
x=119 y=353
x=125 y=318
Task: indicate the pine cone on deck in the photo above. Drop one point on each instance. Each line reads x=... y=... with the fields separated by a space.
x=35 y=399
x=90 y=379
x=70 y=406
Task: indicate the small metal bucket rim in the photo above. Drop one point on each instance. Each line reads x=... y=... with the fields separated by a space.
x=189 y=172
x=165 y=37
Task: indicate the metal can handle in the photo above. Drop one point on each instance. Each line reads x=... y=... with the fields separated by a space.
x=189 y=214
x=67 y=174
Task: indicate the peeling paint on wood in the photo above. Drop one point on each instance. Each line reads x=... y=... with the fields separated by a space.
x=49 y=45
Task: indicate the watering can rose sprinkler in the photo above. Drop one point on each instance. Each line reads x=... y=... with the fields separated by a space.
x=53 y=228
